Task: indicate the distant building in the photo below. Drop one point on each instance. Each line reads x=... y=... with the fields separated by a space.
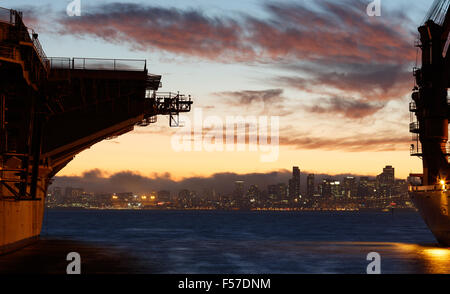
x=184 y=199
x=283 y=192
x=363 y=188
x=310 y=186
x=294 y=184
x=238 y=193
x=164 y=196
x=125 y=200
x=103 y=200
x=387 y=177
x=272 y=191
x=372 y=187
x=55 y=196
x=350 y=188
x=254 y=196
x=386 y=182
x=87 y=199
x=336 y=189
x=325 y=188
x=277 y=193
x=72 y=195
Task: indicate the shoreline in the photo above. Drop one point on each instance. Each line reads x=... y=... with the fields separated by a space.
x=237 y=210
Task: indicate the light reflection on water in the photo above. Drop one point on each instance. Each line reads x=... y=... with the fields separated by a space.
x=231 y=257
x=434 y=260
x=395 y=257
x=242 y=242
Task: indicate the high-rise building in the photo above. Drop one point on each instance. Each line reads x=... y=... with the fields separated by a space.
x=291 y=190
x=372 y=187
x=386 y=182
x=325 y=188
x=277 y=193
x=336 y=189
x=294 y=184
x=238 y=193
x=296 y=179
x=239 y=187
x=387 y=177
x=349 y=187
x=310 y=184
x=253 y=195
x=363 y=187
x=282 y=192
x=272 y=191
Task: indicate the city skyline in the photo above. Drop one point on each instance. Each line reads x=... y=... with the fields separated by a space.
x=96 y=181
x=289 y=192
x=383 y=192
x=329 y=120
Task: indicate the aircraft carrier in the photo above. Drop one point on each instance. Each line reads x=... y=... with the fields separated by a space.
x=52 y=108
x=429 y=122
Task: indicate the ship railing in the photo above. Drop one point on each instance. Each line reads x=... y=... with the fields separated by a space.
x=98 y=64
x=414 y=127
x=416 y=149
x=9 y=15
x=29 y=35
x=171 y=95
x=428 y=188
x=172 y=102
x=14 y=17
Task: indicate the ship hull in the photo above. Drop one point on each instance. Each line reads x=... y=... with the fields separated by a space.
x=21 y=223
x=21 y=219
x=434 y=207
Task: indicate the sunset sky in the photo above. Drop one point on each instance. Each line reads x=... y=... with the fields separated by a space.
x=339 y=80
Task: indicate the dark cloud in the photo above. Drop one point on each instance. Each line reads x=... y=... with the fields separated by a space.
x=348 y=108
x=177 y=31
x=323 y=30
x=372 y=82
x=244 y=98
x=356 y=143
x=128 y=181
x=263 y=102
x=333 y=31
x=330 y=46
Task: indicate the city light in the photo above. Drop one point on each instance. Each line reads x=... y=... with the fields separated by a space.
x=349 y=193
x=443 y=186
